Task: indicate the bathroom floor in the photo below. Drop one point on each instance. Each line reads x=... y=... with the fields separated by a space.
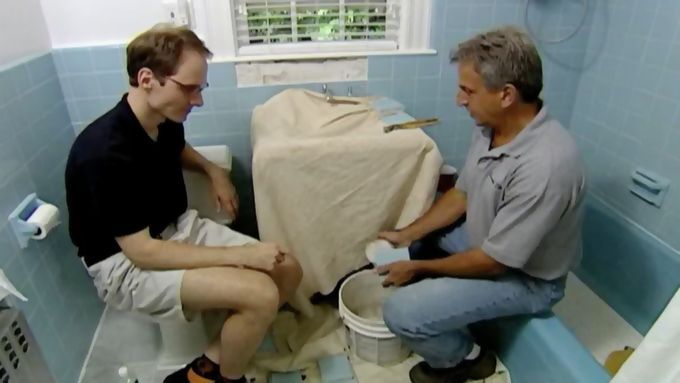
x=124 y=339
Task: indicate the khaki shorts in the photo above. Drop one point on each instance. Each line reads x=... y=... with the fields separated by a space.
x=123 y=286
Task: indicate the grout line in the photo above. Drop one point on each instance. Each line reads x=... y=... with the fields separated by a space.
x=94 y=339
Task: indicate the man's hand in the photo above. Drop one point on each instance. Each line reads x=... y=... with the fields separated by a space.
x=396 y=238
x=224 y=192
x=398 y=273
x=263 y=256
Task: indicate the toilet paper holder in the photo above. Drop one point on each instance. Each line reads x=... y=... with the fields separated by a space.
x=24 y=230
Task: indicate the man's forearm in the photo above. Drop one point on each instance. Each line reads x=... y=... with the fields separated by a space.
x=468 y=264
x=445 y=211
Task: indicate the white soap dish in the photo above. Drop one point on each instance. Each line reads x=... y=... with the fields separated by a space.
x=381 y=252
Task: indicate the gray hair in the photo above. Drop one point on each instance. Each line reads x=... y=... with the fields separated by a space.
x=504 y=56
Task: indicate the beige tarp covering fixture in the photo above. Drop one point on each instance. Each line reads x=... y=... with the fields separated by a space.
x=327 y=179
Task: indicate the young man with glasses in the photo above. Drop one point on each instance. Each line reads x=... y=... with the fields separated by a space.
x=128 y=216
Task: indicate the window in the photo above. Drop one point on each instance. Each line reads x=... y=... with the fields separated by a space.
x=265 y=22
x=316 y=28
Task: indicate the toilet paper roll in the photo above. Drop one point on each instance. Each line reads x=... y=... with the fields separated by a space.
x=45 y=217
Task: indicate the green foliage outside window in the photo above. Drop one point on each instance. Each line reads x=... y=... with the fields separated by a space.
x=276 y=26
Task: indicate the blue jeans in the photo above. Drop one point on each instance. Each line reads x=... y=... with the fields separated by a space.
x=431 y=315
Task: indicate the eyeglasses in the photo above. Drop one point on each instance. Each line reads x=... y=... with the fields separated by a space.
x=190 y=88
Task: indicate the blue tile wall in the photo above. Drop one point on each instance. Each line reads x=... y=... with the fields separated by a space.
x=627 y=107
x=63 y=309
x=455 y=21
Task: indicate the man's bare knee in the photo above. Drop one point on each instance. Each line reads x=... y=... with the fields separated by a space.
x=293 y=270
x=263 y=300
x=240 y=290
x=288 y=272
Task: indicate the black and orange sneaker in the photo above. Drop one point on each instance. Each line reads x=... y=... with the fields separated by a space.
x=479 y=368
x=201 y=370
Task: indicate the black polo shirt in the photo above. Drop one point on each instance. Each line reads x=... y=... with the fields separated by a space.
x=120 y=181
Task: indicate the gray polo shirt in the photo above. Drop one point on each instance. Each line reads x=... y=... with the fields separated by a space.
x=525 y=198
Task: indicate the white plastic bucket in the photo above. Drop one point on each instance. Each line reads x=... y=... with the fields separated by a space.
x=360 y=306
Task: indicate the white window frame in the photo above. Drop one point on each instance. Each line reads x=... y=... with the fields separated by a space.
x=214 y=20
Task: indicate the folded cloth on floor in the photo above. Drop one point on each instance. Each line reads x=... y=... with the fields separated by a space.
x=327 y=179
x=302 y=342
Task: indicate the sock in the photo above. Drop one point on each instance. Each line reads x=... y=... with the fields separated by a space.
x=474 y=353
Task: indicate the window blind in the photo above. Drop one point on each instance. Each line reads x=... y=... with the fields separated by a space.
x=300 y=21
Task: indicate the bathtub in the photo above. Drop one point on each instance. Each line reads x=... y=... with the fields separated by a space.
x=626 y=278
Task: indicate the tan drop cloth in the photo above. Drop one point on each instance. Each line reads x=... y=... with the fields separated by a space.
x=302 y=340
x=327 y=179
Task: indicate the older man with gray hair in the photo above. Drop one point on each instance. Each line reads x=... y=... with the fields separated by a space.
x=503 y=240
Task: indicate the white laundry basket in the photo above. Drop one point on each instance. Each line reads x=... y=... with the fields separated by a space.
x=360 y=306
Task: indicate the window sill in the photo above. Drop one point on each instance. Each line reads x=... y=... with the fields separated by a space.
x=322 y=55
